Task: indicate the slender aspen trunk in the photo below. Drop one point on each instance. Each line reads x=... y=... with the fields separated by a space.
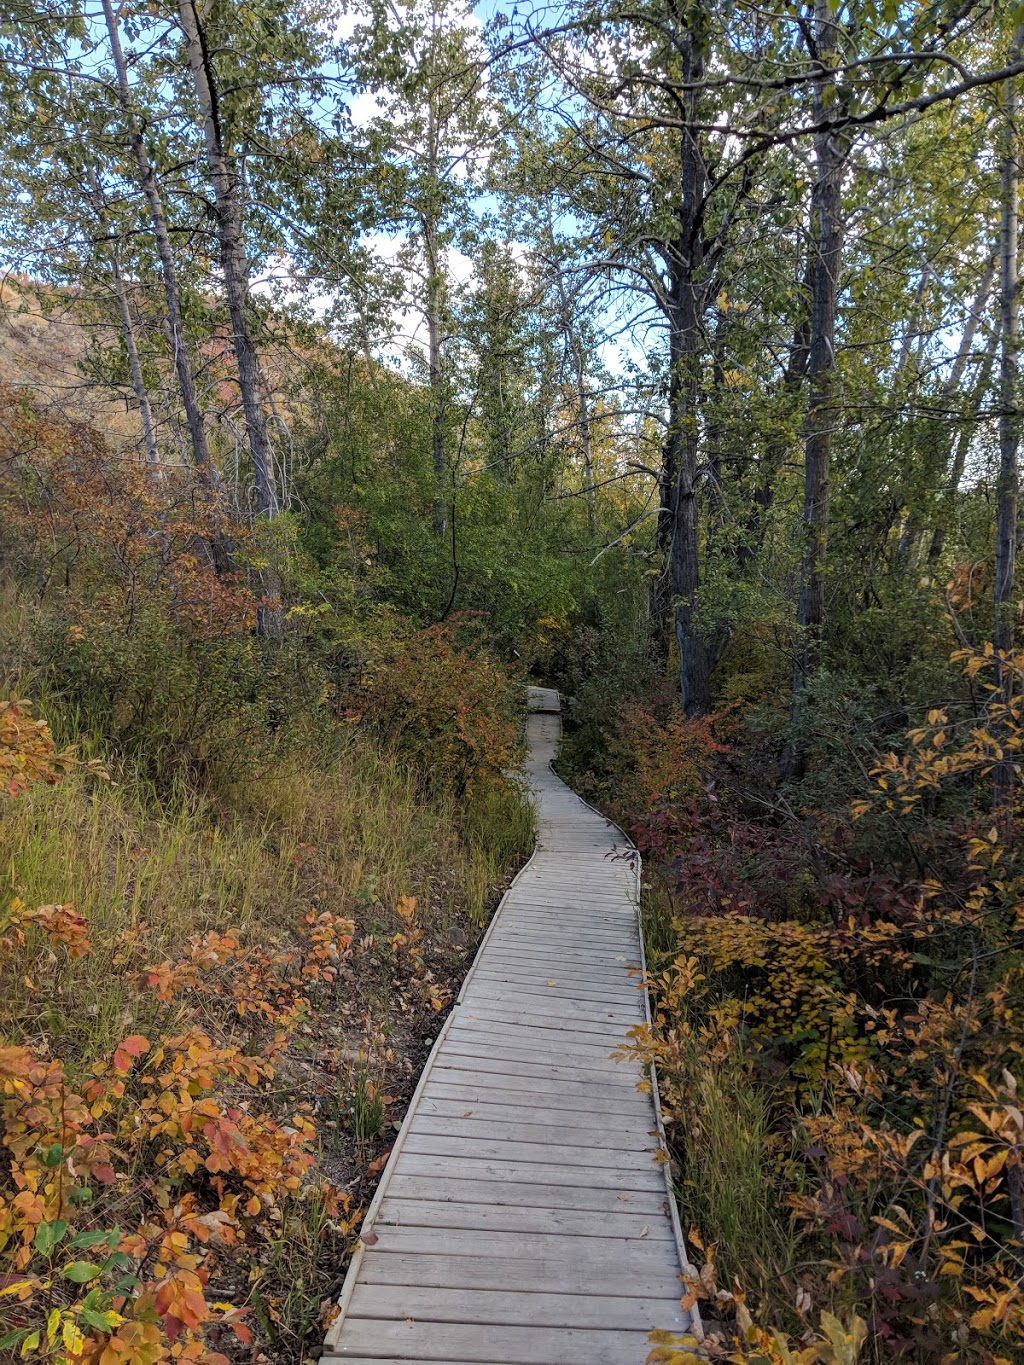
x=938 y=436
x=586 y=446
x=161 y=236
x=435 y=369
x=436 y=292
x=831 y=152
x=233 y=260
x=124 y=314
x=963 y=441
x=574 y=349
x=135 y=365
x=778 y=441
x=1004 y=631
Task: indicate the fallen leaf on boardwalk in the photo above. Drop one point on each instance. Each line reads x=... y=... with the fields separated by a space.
x=644 y=1232
x=552 y=983
x=467 y=1113
x=368 y=1239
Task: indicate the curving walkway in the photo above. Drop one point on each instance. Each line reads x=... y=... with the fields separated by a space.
x=522 y=1217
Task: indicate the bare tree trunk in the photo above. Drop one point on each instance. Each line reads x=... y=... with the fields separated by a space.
x=963 y=440
x=435 y=367
x=147 y=179
x=574 y=349
x=1008 y=481
x=135 y=366
x=124 y=313
x=586 y=447
x=233 y=259
x=831 y=152
x=686 y=309
x=674 y=594
x=777 y=441
x=938 y=435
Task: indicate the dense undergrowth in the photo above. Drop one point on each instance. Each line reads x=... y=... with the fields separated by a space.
x=238 y=891
x=838 y=976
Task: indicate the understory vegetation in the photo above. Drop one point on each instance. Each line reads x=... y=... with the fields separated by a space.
x=239 y=891
x=838 y=1027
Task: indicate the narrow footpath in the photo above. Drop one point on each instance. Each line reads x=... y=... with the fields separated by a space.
x=523 y=1217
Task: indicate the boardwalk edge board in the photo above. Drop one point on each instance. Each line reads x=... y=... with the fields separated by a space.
x=347 y=1337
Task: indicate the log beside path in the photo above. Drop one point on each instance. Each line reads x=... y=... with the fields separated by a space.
x=523 y=1217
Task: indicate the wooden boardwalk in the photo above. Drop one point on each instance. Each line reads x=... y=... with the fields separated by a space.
x=522 y=1216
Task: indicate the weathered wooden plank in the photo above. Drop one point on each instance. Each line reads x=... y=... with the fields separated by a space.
x=619 y=1139
x=615 y=973
x=462 y=1344
x=589 y=910
x=569 y=1043
x=613 y=966
x=537 y=1310
x=621 y=1179
x=533 y=993
x=579 y=928
x=525 y=1274
x=586 y=900
x=525 y=1032
x=529 y=1195
x=599 y=1023
x=647 y=1255
x=579 y=1097
x=451 y=1213
x=495 y=1149
x=330 y=1354
x=491 y=1061
x=502 y=1003
x=584 y=980
x=492 y=1112
x=527 y=1050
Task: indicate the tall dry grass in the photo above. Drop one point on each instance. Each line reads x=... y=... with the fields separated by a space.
x=349 y=835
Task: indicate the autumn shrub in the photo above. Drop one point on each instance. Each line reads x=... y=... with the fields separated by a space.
x=445 y=706
x=658 y=781
x=132 y=629
x=840 y=1045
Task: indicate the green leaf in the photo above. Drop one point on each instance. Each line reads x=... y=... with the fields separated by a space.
x=53 y=1155
x=93 y=1239
x=81 y=1272
x=104 y=1322
x=49 y=1234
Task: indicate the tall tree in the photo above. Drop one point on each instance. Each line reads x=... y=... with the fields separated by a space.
x=1004 y=632
x=149 y=185
x=831 y=151
x=429 y=133
x=229 y=207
